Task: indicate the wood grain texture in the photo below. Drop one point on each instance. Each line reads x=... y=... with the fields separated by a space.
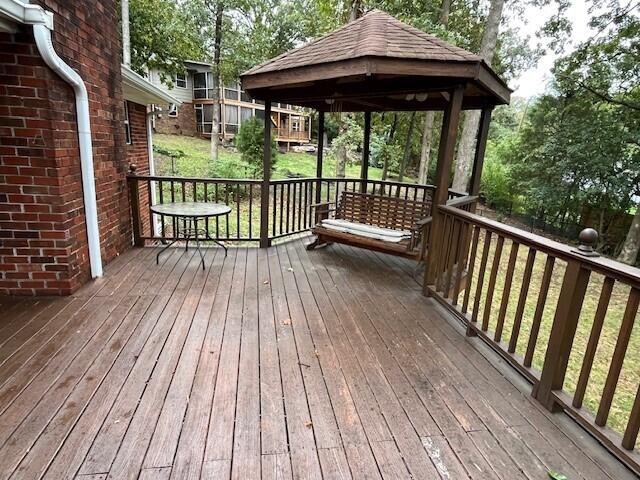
x=276 y=363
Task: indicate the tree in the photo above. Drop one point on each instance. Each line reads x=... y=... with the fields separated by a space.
x=162 y=38
x=218 y=11
x=250 y=143
x=471 y=123
x=631 y=246
x=427 y=131
x=407 y=147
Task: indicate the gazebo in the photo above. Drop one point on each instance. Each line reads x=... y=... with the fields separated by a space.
x=375 y=64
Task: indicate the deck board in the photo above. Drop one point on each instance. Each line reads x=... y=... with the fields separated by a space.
x=275 y=364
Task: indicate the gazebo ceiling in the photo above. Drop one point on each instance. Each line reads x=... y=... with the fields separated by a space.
x=376 y=63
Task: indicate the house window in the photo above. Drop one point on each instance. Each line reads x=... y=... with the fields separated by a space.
x=181 y=80
x=245 y=114
x=127 y=124
x=173 y=110
x=204 y=118
x=231 y=118
x=231 y=92
x=200 y=85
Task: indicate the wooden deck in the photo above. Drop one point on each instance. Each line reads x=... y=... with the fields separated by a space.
x=277 y=363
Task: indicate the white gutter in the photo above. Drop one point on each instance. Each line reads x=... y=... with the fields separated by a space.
x=152 y=168
x=42 y=34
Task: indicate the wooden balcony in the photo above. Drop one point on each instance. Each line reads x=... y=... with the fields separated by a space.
x=271 y=363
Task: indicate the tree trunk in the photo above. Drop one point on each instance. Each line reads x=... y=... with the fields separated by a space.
x=631 y=246
x=407 y=147
x=215 y=73
x=427 y=132
x=466 y=148
x=341 y=152
x=427 y=138
x=355 y=10
x=392 y=132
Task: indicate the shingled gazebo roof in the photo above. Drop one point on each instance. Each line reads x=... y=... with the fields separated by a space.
x=375 y=63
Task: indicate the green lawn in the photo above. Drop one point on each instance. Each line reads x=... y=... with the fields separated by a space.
x=196 y=162
x=630 y=375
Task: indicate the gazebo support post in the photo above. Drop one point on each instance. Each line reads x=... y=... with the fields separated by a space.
x=319 y=157
x=364 y=168
x=474 y=187
x=481 y=146
x=450 y=123
x=266 y=177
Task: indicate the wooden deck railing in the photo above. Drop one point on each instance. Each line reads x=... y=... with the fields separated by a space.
x=525 y=295
x=289 y=210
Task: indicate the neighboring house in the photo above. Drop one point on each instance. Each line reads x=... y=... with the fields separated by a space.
x=72 y=121
x=291 y=125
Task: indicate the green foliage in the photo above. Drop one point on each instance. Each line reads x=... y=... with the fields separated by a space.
x=250 y=143
x=497 y=184
x=161 y=38
x=382 y=150
x=350 y=136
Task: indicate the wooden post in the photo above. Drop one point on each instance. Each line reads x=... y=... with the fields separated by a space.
x=476 y=175
x=448 y=136
x=319 y=157
x=266 y=177
x=481 y=146
x=364 y=168
x=563 y=331
x=134 y=200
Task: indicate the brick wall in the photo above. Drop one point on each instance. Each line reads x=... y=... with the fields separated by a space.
x=137 y=154
x=42 y=226
x=183 y=124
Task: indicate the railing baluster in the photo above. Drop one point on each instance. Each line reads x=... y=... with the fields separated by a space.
x=217 y=216
x=617 y=359
x=472 y=262
x=633 y=425
x=537 y=316
x=522 y=300
x=206 y=199
x=460 y=260
x=161 y=198
x=492 y=283
x=592 y=345
x=451 y=256
x=506 y=291
x=481 y=271
x=281 y=207
x=251 y=210
x=238 y=235
x=226 y=218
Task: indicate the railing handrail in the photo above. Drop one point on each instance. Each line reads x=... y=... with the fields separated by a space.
x=256 y=181
x=462 y=201
x=600 y=264
x=162 y=178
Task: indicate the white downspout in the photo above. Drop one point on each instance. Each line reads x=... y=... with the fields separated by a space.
x=152 y=167
x=45 y=46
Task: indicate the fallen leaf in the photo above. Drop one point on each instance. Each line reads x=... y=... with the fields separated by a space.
x=557 y=476
x=286 y=321
x=308 y=424
x=266 y=282
x=290 y=269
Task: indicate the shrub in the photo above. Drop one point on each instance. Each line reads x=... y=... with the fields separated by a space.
x=249 y=142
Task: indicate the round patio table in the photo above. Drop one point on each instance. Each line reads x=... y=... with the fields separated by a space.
x=191 y=213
